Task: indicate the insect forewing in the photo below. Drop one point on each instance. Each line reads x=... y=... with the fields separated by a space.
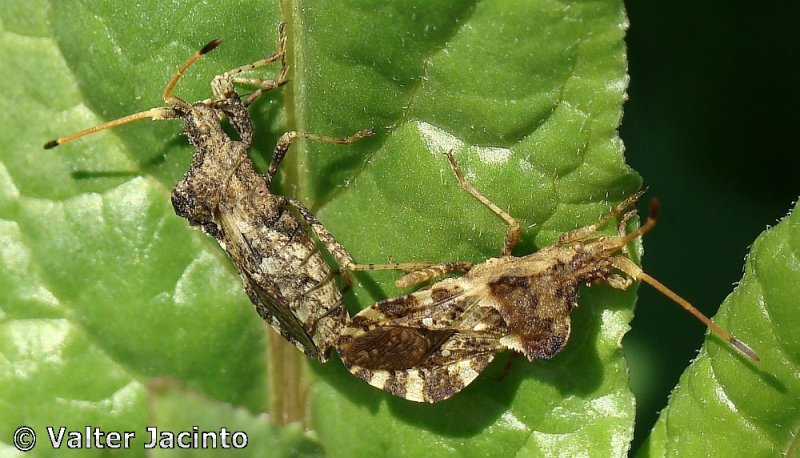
x=425 y=346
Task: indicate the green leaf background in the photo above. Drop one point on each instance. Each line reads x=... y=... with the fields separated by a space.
x=739 y=401
x=115 y=313
x=708 y=124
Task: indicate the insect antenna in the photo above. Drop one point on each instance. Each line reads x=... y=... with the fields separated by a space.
x=740 y=346
x=191 y=60
x=155 y=114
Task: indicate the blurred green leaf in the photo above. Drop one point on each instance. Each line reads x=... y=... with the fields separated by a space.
x=105 y=289
x=724 y=400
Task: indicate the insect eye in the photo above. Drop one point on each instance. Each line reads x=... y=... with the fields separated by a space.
x=203 y=129
x=577 y=247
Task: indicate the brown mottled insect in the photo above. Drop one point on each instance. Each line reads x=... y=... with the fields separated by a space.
x=283 y=271
x=430 y=344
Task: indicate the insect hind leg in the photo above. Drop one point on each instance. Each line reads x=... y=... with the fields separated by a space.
x=513 y=231
x=423 y=272
x=336 y=249
x=418 y=271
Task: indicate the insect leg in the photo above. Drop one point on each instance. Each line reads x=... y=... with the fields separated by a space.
x=263 y=84
x=430 y=272
x=287 y=138
x=623 y=222
x=238 y=116
x=621 y=227
x=419 y=271
x=513 y=232
x=512 y=358
x=583 y=232
x=618 y=281
x=336 y=249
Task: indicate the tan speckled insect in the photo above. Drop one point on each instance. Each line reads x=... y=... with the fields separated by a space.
x=265 y=235
x=428 y=345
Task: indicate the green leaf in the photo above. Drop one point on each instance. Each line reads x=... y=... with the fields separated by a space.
x=104 y=289
x=724 y=400
x=175 y=411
